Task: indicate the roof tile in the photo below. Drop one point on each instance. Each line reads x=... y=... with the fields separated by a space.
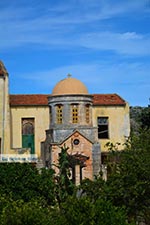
x=30 y=100
x=108 y=99
x=40 y=100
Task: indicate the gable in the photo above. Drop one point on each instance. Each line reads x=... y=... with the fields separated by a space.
x=75 y=135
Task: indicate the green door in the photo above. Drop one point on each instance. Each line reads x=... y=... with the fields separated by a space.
x=28 y=142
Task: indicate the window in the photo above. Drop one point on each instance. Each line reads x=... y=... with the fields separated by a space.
x=87 y=113
x=28 y=133
x=59 y=114
x=102 y=127
x=76 y=141
x=50 y=113
x=27 y=127
x=74 y=113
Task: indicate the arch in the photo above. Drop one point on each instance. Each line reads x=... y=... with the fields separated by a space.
x=28 y=134
x=27 y=128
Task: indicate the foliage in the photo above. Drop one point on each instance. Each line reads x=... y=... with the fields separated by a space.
x=139 y=118
x=23 y=181
x=83 y=211
x=22 y=213
x=29 y=196
x=135 y=123
x=73 y=211
x=145 y=118
x=93 y=189
x=129 y=184
x=64 y=185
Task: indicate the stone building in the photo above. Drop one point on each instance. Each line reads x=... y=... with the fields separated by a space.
x=69 y=116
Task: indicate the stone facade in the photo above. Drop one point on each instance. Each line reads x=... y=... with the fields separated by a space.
x=80 y=136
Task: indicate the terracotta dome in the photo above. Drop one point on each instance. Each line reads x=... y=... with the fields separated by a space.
x=68 y=86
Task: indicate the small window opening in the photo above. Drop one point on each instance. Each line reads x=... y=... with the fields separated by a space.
x=103 y=127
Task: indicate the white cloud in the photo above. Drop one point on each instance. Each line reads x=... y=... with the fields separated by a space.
x=59 y=24
x=95 y=73
x=131 y=35
x=91 y=25
x=124 y=43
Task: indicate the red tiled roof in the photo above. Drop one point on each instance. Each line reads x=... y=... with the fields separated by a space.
x=37 y=99
x=40 y=100
x=108 y=99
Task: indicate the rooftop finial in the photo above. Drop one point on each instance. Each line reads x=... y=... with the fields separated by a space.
x=69 y=75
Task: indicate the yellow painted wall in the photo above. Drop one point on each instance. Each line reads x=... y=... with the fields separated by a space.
x=119 y=124
x=1 y=106
x=4 y=116
x=41 y=118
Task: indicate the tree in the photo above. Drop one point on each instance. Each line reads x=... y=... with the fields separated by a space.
x=139 y=118
x=84 y=211
x=23 y=181
x=28 y=196
x=23 y=213
x=145 y=118
x=129 y=184
x=64 y=185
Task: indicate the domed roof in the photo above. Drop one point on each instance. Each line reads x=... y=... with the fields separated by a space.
x=68 y=86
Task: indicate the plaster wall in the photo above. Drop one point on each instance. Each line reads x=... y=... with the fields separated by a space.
x=41 y=119
x=119 y=127
x=4 y=116
x=119 y=124
x=1 y=105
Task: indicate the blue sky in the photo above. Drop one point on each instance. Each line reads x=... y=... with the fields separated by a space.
x=104 y=43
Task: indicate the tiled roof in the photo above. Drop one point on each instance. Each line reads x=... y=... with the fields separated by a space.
x=21 y=100
x=108 y=99
x=40 y=100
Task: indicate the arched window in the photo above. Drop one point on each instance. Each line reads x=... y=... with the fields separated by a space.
x=28 y=133
x=59 y=114
x=50 y=114
x=87 y=113
x=27 y=128
x=75 y=113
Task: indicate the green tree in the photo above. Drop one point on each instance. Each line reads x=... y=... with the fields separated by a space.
x=83 y=211
x=93 y=189
x=64 y=185
x=23 y=213
x=145 y=118
x=129 y=184
x=24 y=181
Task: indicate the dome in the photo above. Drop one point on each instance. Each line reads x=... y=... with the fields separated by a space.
x=69 y=86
